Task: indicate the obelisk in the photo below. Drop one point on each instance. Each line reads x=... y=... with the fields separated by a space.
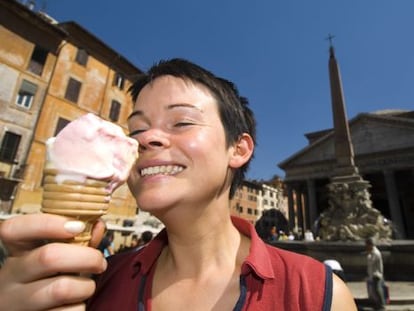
x=350 y=215
x=344 y=152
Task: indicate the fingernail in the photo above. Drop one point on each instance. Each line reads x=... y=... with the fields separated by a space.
x=74 y=226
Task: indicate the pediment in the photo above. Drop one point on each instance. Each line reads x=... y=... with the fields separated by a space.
x=370 y=133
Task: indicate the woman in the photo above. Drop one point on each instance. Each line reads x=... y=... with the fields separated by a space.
x=196 y=138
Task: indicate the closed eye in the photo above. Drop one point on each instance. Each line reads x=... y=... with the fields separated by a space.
x=184 y=123
x=136 y=132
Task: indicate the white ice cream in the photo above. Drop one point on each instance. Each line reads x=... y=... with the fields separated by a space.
x=92 y=147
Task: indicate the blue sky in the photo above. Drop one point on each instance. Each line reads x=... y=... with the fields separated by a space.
x=274 y=50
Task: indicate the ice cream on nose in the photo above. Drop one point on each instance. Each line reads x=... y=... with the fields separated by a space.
x=86 y=162
x=92 y=147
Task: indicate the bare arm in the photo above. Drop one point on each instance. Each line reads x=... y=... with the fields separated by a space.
x=39 y=276
x=342 y=298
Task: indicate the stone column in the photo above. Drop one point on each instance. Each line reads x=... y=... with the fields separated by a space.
x=299 y=207
x=312 y=208
x=394 y=204
x=291 y=210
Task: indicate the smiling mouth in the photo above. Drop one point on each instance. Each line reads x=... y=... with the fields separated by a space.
x=161 y=170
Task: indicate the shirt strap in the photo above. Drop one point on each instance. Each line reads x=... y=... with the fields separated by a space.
x=243 y=292
x=327 y=299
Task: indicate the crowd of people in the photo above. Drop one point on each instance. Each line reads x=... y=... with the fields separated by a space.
x=136 y=242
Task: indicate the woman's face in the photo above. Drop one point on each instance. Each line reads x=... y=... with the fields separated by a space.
x=183 y=158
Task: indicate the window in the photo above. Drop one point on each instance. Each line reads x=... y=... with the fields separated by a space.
x=119 y=81
x=38 y=60
x=26 y=94
x=114 y=113
x=249 y=211
x=60 y=125
x=252 y=198
x=82 y=57
x=9 y=146
x=73 y=90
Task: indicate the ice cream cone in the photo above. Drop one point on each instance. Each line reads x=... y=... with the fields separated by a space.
x=85 y=201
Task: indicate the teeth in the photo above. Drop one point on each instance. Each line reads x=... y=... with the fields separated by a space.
x=163 y=169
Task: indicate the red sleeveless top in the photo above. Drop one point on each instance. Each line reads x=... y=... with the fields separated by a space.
x=271 y=278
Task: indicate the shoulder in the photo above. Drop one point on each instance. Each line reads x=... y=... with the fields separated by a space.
x=292 y=281
x=342 y=298
x=295 y=262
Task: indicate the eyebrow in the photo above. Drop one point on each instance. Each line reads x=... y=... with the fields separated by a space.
x=169 y=107
x=134 y=113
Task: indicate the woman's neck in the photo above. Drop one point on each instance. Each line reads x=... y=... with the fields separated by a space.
x=201 y=246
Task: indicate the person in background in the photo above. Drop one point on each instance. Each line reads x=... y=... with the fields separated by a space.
x=273 y=236
x=107 y=244
x=309 y=236
x=131 y=246
x=134 y=242
x=146 y=237
x=375 y=271
x=196 y=137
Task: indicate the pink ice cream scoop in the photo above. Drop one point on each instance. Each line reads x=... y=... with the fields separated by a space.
x=90 y=147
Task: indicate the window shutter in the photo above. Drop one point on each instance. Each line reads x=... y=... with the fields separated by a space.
x=28 y=87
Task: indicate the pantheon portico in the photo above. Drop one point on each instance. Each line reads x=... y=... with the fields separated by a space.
x=383 y=144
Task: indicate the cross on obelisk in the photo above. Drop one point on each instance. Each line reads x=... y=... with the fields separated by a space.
x=330 y=39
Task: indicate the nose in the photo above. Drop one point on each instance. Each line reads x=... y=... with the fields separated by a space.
x=153 y=139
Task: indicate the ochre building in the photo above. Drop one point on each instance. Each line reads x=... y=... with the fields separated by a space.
x=51 y=74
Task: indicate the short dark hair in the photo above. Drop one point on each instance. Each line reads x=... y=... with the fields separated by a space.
x=234 y=110
x=146 y=236
x=370 y=241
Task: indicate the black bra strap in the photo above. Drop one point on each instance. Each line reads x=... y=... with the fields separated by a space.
x=141 y=291
x=243 y=292
x=327 y=299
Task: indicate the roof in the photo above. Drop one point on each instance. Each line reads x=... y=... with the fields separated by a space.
x=396 y=118
x=84 y=39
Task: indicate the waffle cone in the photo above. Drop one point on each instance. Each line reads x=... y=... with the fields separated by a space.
x=85 y=201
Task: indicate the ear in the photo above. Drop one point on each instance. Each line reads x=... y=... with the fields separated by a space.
x=242 y=151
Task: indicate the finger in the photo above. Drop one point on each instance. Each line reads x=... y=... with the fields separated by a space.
x=98 y=232
x=24 y=232
x=51 y=293
x=77 y=307
x=52 y=259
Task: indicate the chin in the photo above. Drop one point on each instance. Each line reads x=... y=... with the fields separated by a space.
x=152 y=204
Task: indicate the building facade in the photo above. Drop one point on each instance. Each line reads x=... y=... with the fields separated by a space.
x=273 y=198
x=246 y=201
x=28 y=54
x=53 y=73
x=253 y=198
